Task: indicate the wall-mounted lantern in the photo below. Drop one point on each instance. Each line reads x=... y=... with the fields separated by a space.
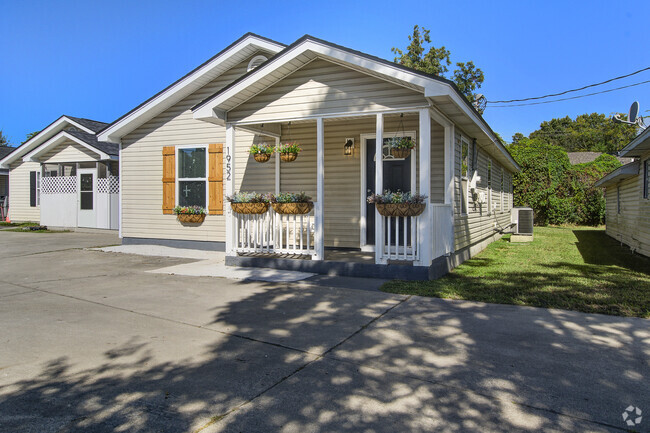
x=348 y=148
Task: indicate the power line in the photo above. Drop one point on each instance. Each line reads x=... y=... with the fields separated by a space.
x=573 y=97
x=572 y=90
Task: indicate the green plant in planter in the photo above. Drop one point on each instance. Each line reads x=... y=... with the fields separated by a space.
x=290 y=197
x=289 y=147
x=264 y=148
x=397 y=197
x=189 y=210
x=249 y=197
x=401 y=143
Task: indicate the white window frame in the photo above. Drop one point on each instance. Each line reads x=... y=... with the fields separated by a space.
x=190 y=179
x=464 y=211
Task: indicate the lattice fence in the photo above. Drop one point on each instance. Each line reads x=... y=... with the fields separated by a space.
x=109 y=185
x=59 y=185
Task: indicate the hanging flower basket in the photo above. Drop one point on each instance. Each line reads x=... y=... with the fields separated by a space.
x=293 y=208
x=190 y=218
x=288 y=156
x=262 y=157
x=249 y=208
x=400 y=209
x=400 y=153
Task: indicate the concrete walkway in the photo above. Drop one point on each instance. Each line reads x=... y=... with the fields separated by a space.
x=91 y=341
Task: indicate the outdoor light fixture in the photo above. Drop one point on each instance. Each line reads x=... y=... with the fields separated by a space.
x=348 y=147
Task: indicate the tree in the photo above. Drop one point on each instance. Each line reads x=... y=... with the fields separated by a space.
x=588 y=132
x=4 y=141
x=29 y=136
x=435 y=61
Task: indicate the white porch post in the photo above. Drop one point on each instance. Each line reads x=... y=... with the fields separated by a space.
x=425 y=244
x=229 y=167
x=319 y=238
x=379 y=188
x=277 y=167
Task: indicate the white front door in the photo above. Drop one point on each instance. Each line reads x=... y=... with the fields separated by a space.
x=87 y=197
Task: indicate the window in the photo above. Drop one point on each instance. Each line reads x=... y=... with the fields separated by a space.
x=618 y=199
x=489 y=183
x=646 y=178
x=34 y=188
x=503 y=191
x=464 y=169
x=191 y=170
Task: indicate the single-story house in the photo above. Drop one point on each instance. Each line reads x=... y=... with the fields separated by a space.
x=65 y=177
x=627 y=195
x=189 y=145
x=4 y=183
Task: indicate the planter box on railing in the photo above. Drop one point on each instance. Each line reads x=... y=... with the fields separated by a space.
x=400 y=209
x=293 y=208
x=249 y=208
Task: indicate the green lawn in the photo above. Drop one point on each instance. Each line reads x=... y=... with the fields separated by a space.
x=573 y=268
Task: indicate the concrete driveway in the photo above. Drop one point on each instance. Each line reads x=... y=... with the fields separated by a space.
x=90 y=341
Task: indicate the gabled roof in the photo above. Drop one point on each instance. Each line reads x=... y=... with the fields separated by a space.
x=583 y=157
x=93 y=125
x=625 y=172
x=86 y=125
x=5 y=150
x=89 y=141
x=442 y=93
x=236 y=52
x=638 y=146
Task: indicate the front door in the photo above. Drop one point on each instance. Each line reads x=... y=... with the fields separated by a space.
x=397 y=176
x=87 y=197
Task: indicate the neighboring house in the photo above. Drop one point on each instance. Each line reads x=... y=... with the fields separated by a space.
x=64 y=177
x=627 y=193
x=4 y=182
x=323 y=96
x=584 y=157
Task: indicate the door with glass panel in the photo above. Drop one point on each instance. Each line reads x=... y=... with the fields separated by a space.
x=87 y=197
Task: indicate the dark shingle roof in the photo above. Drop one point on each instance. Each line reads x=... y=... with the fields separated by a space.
x=6 y=150
x=93 y=125
x=91 y=140
x=583 y=157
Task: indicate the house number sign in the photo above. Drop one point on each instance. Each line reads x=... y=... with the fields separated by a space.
x=228 y=166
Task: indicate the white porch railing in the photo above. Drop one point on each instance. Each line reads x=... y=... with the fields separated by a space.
x=275 y=233
x=400 y=238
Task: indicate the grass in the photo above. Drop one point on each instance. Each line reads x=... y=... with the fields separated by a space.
x=25 y=224
x=572 y=268
x=23 y=230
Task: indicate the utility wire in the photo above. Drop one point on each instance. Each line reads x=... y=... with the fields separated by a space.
x=573 y=97
x=569 y=91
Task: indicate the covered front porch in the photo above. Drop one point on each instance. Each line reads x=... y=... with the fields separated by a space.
x=343 y=232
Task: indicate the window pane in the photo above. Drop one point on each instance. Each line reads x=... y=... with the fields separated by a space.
x=86 y=200
x=86 y=182
x=191 y=163
x=191 y=193
x=465 y=150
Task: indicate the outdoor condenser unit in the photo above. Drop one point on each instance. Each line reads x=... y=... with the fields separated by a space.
x=522 y=219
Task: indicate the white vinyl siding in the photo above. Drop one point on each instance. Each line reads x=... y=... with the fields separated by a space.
x=632 y=224
x=320 y=88
x=69 y=151
x=19 y=206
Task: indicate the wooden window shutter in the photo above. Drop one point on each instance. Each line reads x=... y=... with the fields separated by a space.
x=169 y=179
x=215 y=179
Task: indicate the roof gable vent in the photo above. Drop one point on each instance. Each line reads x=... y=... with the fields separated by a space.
x=255 y=62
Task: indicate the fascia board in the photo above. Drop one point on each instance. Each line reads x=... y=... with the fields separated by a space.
x=113 y=133
x=58 y=139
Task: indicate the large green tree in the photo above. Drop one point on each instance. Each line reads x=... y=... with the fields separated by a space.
x=588 y=132
x=29 y=136
x=423 y=56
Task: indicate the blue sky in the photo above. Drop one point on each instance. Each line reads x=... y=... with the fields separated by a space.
x=100 y=59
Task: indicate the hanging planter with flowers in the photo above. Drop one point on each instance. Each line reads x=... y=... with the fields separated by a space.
x=249 y=202
x=398 y=204
x=401 y=147
x=288 y=203
x=289 y=151
x=262 y=152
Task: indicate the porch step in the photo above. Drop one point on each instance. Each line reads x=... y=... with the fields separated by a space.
x=335 y=268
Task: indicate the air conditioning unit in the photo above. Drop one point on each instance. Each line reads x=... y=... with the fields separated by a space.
x=522 y=220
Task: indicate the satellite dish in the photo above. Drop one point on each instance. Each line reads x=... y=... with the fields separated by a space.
x=634 y=112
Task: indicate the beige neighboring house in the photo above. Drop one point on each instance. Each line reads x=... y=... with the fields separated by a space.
x=64 y=177
x=189 y=144
x=4 y=183
x=627 y=194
